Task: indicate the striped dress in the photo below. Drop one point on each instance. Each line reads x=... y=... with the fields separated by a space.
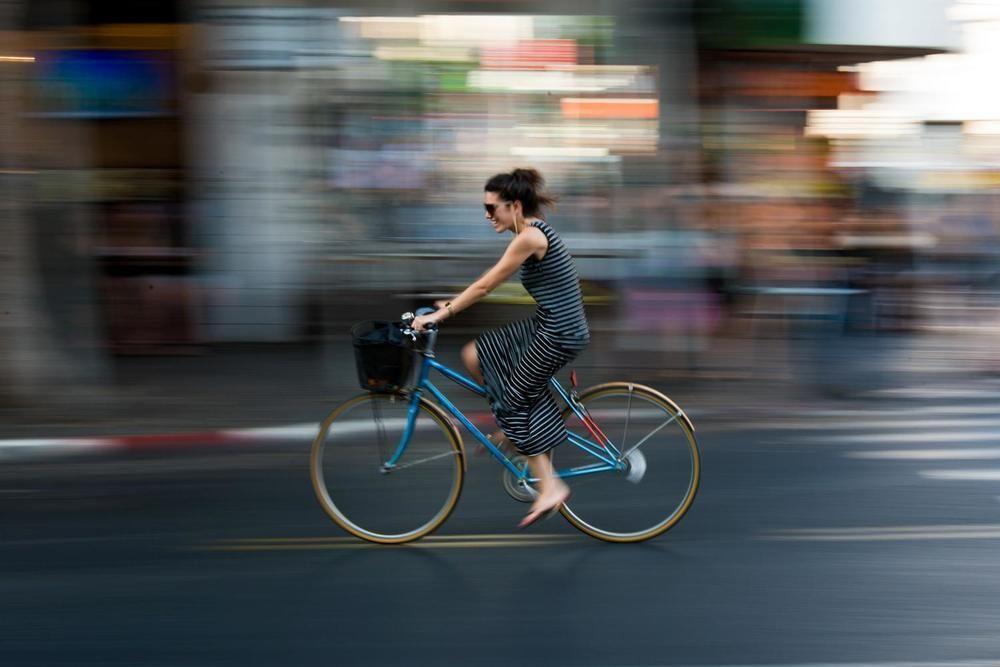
x=518 y=359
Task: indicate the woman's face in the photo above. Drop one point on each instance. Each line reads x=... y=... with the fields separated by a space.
x=499 y=212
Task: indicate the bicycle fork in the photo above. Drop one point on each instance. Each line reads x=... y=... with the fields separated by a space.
x=411 y=418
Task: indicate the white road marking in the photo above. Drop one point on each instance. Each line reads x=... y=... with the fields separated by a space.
x=887 y=533
x=987 y=475
x=939 y=392
x=939 y=436
x=906 y=412
x=876 y=424
x=981 y=454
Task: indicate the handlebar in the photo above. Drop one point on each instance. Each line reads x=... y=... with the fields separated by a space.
x=430 y=333
x=408 y=317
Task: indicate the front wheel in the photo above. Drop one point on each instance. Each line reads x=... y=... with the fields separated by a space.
x=661 y=472
x=380 y=503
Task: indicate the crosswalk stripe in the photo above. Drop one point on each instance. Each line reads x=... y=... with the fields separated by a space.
x=982 y=454
x=979 y=475
x=876 y=424
x=924 y=410
x=940 y=392
x=940 y=436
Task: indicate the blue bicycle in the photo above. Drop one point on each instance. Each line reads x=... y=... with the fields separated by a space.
x=388 y=465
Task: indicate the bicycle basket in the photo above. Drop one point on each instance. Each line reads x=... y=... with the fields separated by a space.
x=383 y=355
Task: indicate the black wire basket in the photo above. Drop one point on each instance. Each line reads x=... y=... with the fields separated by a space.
x=383 y=355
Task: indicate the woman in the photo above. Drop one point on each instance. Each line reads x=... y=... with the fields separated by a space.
x=516 y=361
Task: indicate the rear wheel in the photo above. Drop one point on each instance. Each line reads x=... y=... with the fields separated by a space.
x=662 y=464
x=398 y=504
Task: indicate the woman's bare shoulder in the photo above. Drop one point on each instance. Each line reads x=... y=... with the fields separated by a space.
x=537 y=240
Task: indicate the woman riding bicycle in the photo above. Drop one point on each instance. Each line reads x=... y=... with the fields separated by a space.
x=516 y=361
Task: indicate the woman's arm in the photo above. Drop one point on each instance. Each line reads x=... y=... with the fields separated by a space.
x=523 y=246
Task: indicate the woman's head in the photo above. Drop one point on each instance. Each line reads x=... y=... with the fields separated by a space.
x=509 y=198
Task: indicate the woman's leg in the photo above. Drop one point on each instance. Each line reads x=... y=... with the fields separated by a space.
x=471 y=360
x=552 y=491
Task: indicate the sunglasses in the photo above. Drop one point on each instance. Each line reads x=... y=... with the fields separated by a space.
x=491 y=209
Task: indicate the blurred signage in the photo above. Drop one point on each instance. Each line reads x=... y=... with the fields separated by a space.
x=104 y=83
x=750 y=24
x=271 y=37
x=610 y=107
x=774 y=83
x=530 y=54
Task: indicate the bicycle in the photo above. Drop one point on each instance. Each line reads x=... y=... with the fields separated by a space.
x=388 y=465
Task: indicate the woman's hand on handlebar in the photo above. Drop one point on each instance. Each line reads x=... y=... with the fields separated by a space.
x=420 y=323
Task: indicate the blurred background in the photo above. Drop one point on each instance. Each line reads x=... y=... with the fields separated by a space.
x=794 y=194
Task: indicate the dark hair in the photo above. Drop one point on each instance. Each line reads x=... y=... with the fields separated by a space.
x=524 y=185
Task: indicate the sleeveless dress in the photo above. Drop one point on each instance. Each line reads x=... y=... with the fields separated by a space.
x=518 y=359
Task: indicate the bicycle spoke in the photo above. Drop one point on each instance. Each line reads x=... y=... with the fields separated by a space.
x=365 y=500
x=423 y=460
x=628 y=415
x=651 y=434
x=658 y=465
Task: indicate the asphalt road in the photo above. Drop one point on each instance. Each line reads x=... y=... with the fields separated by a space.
x=835 y=536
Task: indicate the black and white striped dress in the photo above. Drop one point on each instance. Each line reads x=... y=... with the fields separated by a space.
x=518 y=359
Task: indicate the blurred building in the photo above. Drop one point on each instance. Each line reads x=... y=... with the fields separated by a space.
x=769 y=70
x=211 y=172
x=355 y=145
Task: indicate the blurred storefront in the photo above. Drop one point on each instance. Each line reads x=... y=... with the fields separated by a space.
x=103 y=125
x=241 y=172
x=340 y=153
x=767 y=70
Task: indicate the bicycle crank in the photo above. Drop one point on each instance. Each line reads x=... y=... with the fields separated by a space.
x=517 y=489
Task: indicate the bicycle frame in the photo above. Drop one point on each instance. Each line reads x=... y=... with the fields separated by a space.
x=609 y=457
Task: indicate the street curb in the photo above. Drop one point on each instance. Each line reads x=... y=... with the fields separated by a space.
x=20 y=449
x=34 y=448
x=24 y=449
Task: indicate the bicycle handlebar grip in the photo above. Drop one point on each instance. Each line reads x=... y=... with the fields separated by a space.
x=424 y=310
x=407 y=318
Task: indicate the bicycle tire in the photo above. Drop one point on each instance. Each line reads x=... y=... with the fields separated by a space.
x=451 y=450
x=573 y=511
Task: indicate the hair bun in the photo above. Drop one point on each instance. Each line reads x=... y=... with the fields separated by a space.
x=530 y=175
x=525 y=185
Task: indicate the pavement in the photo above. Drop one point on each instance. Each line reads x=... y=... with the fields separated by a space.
x=251 y=393
x=847 y=537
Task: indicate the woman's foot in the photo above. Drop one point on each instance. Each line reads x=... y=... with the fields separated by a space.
x=547 y=503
